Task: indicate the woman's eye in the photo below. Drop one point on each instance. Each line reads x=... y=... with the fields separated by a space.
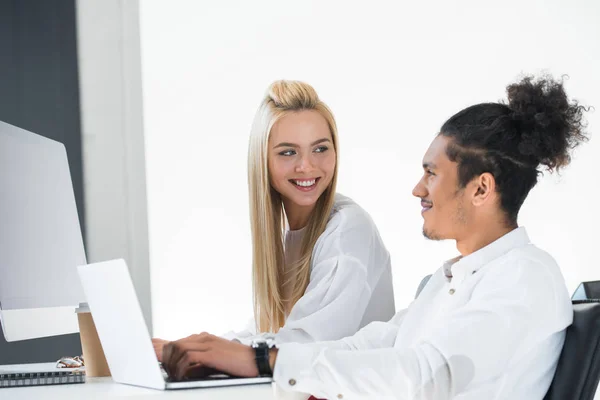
x=321 y=149
x=287 y=153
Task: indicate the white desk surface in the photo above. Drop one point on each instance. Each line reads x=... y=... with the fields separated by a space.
x=105 y=388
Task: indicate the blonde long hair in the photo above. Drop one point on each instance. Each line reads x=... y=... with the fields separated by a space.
x=267 y=216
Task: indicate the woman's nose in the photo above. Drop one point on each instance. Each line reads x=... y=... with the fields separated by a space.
x=304 y=164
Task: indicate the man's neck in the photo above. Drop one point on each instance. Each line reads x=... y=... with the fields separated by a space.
x=481 y=238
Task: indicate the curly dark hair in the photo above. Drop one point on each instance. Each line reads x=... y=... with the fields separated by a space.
x=538 y=127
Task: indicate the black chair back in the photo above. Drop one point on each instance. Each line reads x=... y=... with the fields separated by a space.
x=578 y=371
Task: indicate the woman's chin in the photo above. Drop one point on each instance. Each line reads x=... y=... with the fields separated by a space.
x=305 y=202
x=304 y=199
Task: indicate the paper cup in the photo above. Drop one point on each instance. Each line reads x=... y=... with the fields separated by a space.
x=93 y=355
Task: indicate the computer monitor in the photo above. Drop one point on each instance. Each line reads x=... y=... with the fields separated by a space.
x=40 y=237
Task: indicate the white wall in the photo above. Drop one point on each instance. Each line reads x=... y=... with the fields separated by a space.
x=113 y=141
x=392 y=72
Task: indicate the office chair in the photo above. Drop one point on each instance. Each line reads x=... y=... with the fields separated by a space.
x=578 y=371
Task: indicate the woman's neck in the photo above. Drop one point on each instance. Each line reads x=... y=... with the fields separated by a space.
x=297 y=216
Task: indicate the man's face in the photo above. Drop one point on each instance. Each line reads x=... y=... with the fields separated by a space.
x=445 y=208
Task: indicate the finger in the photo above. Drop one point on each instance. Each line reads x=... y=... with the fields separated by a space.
x=201 y=337
x=191 y=359
x=196 y=372
x=187 y=361
x=167 y=357
x=179 y=347
x=176 y=351
x=158 y=350
x=196 y=365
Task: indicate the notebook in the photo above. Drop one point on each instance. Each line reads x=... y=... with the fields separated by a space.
x=38 y=375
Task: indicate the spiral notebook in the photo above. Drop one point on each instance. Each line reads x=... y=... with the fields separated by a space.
x=38 y=375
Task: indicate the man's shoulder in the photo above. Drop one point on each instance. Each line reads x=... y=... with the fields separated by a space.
x=528 y=270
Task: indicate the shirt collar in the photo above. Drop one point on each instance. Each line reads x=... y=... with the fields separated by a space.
x=460 y=267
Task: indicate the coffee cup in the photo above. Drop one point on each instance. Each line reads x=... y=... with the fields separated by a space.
x=93 y=355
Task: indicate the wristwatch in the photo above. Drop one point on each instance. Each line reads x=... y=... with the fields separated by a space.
x=261 y=355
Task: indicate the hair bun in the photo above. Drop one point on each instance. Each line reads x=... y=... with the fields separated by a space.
x=293 y=95
x=550 y=125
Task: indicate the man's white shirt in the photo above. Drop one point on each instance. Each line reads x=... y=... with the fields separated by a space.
x=493 y=330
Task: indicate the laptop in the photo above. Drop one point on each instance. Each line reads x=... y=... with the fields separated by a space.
x=123 y=333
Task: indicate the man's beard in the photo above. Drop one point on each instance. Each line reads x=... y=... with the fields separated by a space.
x=430 y=235
x=459 y=220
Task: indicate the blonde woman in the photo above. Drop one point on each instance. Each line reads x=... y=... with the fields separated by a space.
x=320 y=269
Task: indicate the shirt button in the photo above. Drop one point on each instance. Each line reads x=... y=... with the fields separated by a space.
x=340 y=396
x=292 y=382
x=451 y=291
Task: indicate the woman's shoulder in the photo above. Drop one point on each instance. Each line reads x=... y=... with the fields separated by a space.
x=350 y=232
x=347 y=215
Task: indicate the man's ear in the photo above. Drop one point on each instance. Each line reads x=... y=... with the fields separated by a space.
x=484 y=190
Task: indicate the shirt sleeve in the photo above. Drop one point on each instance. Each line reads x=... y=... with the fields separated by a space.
x=243 y=336
x=332 y=306
x=375 y=335
x=477 y=344
x=337 y=285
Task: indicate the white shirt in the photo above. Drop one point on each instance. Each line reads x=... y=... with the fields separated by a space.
x=350 y=282
x=494 y=330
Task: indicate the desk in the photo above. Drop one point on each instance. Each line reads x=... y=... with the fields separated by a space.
x=105 y=388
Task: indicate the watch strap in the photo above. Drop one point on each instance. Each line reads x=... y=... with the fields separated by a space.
x=261 y=355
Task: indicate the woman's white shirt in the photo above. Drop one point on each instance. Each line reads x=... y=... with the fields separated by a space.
x=350 y=282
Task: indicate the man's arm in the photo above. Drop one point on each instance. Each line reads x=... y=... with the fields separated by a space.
x=476 y=345
x=200 y=354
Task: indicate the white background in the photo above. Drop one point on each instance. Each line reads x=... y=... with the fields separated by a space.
x=392 y=72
